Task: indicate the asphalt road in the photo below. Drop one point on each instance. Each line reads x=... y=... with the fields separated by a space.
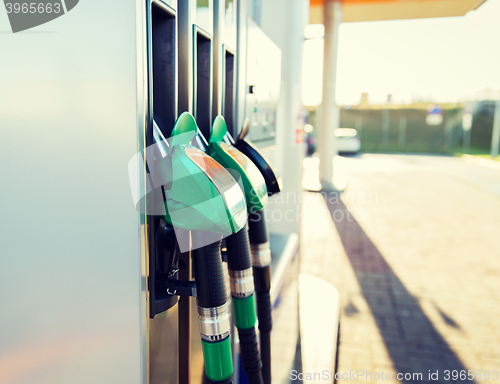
x=413 y=247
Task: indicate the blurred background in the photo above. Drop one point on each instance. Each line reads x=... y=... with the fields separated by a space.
x=408 y=233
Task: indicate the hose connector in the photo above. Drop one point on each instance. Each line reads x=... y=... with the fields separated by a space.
x=261 y=254
x=214 y=323
x=241 y=283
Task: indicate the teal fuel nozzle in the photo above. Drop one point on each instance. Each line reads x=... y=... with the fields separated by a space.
x=202 y=195
x=231 y=158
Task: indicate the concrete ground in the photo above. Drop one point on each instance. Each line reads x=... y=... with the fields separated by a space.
x=413 y=247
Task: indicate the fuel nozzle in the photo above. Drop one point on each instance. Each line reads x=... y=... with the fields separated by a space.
x=260 y=247
x=239 y=255
x=202 y=195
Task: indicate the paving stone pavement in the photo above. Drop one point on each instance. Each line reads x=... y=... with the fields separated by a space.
x=413 y=247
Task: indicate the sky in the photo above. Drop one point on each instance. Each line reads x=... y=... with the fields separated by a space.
x=441 y=59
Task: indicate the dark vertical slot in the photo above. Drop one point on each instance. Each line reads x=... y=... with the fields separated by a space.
x=184 y=40
x=163 y=108
x=164 y=68
x=203 y=89
x=228 y=111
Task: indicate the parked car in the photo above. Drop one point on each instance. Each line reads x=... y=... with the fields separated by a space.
x=347 y=140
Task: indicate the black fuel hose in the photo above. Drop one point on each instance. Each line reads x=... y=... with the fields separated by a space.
x=239 y=263
x=213 y=316
x=209 y=276
x=261 y=260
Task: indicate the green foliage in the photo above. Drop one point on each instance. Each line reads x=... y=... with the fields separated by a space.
x=202 y=3
x=420 y=137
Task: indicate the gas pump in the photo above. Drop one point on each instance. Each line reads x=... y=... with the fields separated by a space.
x=203 y=198
x=198 y=63
x=256 y=175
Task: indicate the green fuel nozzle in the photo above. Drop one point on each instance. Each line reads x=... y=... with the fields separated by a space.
x=232 y=159
x=202 y=195
x=239 y=260
x=260 y=250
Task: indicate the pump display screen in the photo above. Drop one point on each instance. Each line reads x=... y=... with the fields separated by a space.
x=223 y=181
x=250 y=169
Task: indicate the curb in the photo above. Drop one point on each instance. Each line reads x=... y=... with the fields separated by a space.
x=481 y=161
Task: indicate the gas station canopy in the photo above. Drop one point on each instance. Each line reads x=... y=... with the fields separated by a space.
x=371 y=10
